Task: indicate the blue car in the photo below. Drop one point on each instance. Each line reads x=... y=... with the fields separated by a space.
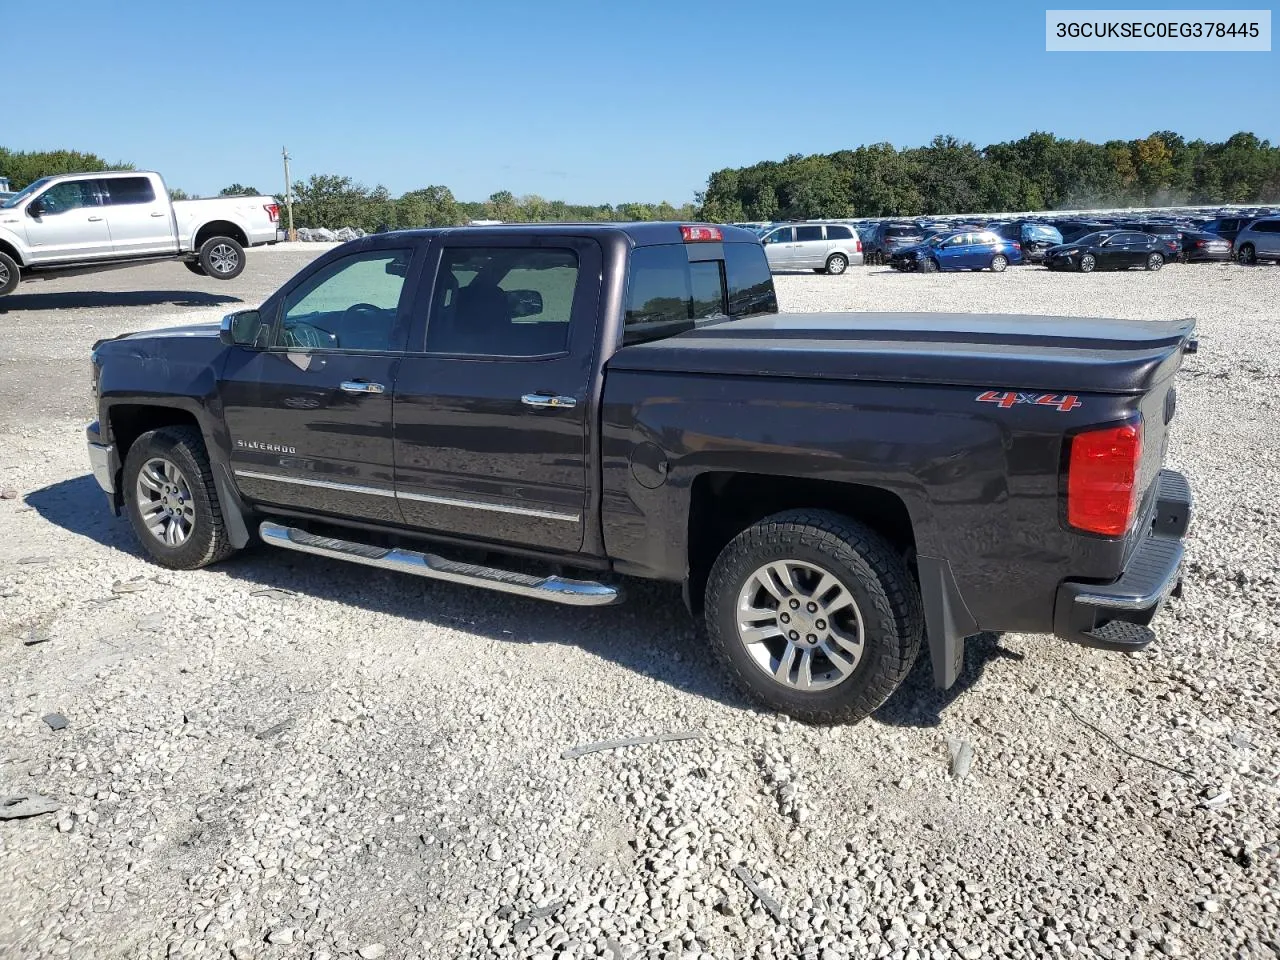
x=959 y=250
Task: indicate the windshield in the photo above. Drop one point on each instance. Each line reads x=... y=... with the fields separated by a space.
x=27 y=191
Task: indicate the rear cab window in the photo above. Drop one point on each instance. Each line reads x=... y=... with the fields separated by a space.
x=667 y=293
x=117 y=191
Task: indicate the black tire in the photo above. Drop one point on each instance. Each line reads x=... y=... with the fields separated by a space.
x=1247 y=256
x=928 y=265
x=872 y=572
x=194 y=267
x=1155 y=261
x=999 y=262
x=837 y=264
x=10 y=274
x=182 y=446
x=222 y=258
x=1087 y=263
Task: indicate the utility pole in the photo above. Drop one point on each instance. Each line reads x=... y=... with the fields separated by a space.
x=288 y=193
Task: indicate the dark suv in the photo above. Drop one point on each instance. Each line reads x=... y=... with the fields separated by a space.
x=889 y=237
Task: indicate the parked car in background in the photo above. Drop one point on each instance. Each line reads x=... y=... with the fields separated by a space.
x=1108 y=250
x=1170 y=234
x=891 y=236
x=86 y=221
x=1201 y=245
x=961 y=250
x=1259 y=240
x=1033 y=236
x=1225 y=227
x=821 y=247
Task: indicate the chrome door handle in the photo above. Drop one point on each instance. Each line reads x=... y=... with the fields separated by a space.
x=543 y=401
x=94 y=219
x=360 y=386
x=157 y=214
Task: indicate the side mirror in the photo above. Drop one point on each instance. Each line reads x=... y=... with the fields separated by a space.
x=524 y=303
x=35 y=209
x=241 y=329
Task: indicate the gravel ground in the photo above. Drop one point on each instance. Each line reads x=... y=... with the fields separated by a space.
x=289 y=757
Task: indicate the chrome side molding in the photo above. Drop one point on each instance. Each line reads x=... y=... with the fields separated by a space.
x=577 y=593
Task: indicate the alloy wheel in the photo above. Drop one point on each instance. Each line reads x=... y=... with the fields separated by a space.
x=165 y=502
x=800 y=624
x=223 y=258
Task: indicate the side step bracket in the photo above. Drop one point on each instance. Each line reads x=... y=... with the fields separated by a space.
x=578 y=593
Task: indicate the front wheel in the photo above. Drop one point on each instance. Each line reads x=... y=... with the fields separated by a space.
x=814 y=615
x=1155 y=261
x=1087 y=263
x=837 y=263
x=928 y=265
x=999 y=262
x=171 y=500
x=10 y=274
x=222 y=258
x=1247 y=255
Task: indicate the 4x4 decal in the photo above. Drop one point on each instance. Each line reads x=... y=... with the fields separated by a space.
x=1006 y=399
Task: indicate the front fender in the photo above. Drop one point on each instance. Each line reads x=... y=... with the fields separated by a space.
x=14 y=241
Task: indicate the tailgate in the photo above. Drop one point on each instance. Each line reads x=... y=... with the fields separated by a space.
x=1158 y=407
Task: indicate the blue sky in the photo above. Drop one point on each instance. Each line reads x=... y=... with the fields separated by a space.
x=583 y=101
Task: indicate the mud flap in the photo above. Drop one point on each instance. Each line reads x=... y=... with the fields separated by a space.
x=946 y=618
x=232 y=514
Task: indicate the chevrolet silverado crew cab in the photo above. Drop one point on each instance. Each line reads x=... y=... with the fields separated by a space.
x=85 y=222
x=597 y=402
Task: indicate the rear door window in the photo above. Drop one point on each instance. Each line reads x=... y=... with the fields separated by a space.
x=117 y=191
x=839 y=233
x=808 y=234
x=503 y=301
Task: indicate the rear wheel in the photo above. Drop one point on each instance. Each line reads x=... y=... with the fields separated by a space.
x=837 y=263
x=171 y=501
x=999 y=262
x=1155 y=261
x=194 y=267
x=814 y=615
x=10 y=274
x=222 y=258
x=1247 y=255
x=1087 y=263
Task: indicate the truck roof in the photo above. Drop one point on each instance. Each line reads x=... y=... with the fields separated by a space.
x=641 y=234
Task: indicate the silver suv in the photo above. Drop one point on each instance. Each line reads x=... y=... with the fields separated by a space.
x=1260 y=240
x=821 y=247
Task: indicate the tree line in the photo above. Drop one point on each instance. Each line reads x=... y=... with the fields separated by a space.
x=1038 y=172
x=334 y=201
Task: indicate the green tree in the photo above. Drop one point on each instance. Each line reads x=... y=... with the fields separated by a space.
x=23 y=167
x=238 y=190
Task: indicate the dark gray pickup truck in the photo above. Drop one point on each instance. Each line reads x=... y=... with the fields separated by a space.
x=620 y=401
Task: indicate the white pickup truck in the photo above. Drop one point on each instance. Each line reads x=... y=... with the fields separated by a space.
x=84 y=222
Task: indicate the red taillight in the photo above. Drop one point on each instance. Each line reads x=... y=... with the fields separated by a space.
x=1199 y=243
x=701 y=234
x=859 y=245
x=1102 y=479
x=273 y=211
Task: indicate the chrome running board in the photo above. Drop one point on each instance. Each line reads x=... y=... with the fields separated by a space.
x=578 y=593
